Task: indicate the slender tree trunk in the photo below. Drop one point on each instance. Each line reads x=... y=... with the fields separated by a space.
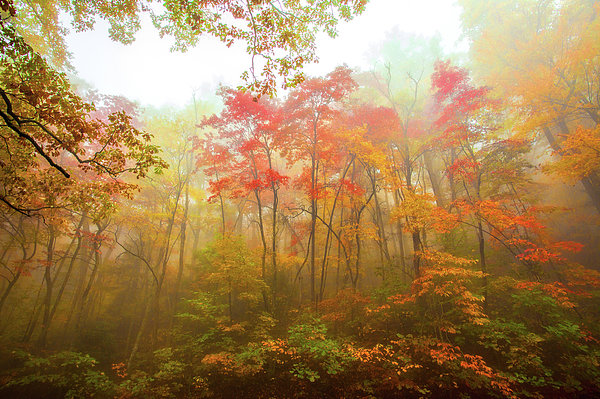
x=69 y=269
x=83 y=302
x=8 y=288
x=7 y=246
x=339 y=253
x=417 y=247
x=327 y=246
x=11 y=283
x=433 y=178
x=482 y=262
x=356 y=263
x=222 y=214
x=313 y=225
x=274 y=243
x=162 y=261
x=80 y=285
x=358 y=243
x=275 y=205
x=451 y=181
x=400 y=236
x=25 y=257
x=263 y=240
x=182 y=241
x=383 y=247
x=37 y=309
x=42 y=340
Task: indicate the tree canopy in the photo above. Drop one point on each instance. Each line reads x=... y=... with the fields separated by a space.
x=428 y=226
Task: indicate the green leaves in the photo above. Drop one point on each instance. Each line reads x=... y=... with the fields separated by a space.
x=278 y=36
x=315 y=350
x=232 y=268
x=68 y=374
x=49 y=133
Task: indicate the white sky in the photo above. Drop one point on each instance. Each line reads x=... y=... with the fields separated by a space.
x=148 y=72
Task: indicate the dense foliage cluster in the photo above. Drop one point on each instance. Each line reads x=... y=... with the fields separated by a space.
x=422 y=229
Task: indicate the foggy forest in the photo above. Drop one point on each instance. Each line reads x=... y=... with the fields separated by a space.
x=425 y=227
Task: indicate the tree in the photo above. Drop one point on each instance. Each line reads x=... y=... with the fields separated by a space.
x=48 y=119
x=543 y=56
x=247 y=129
x=47 y=127
x=231 y=268
x=311 y=109
x=363 y=135
x=485 y=168
x=466 y=117
x=398 y=81
x=278 y=35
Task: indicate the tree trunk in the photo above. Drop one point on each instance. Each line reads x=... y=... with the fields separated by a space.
x=182 y=241
x=433 y=179
x=313 y=225
x=70 y=268
x=482 y=262
x=274 y=244
x=42 y=340
x=263 y=240
x=416 y=239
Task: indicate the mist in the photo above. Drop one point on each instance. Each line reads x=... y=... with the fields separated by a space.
x=422 y=223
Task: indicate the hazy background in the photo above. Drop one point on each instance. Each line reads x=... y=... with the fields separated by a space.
x=148 y=72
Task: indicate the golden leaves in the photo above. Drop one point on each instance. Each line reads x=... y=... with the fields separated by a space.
x=421 y=212
x=580 y=155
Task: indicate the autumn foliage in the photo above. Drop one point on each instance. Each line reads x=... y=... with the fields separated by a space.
x=419 y=230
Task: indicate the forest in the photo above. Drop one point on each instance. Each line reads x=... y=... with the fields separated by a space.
x=425 y=228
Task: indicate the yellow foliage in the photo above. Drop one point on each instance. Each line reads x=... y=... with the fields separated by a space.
x=580 y=155
x=421 y=212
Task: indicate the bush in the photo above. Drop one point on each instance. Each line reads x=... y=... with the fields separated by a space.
x=62 y=375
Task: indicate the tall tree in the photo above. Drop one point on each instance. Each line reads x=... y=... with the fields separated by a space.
x=308 y=137
x=47 y=126
x=247 y=128
x=544 y=57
